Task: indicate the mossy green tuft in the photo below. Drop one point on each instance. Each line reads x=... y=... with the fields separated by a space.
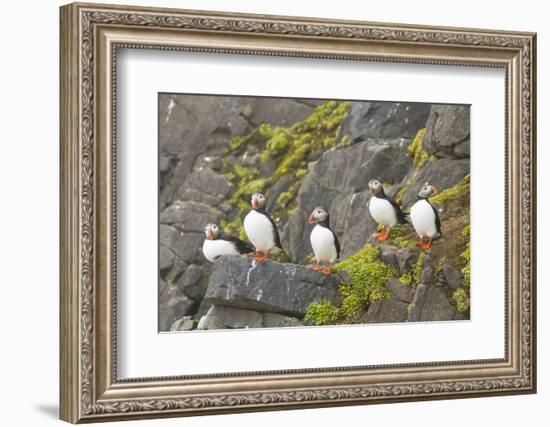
x=452 y=192
x=367 y=277
x=322 y=313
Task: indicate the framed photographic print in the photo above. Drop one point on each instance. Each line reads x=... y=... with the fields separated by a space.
x=265 y=212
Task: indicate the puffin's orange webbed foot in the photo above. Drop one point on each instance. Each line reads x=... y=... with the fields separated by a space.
x=425 y=245
x=326 y=271
x=316 y=267
x=261 y=258
x=383 y=234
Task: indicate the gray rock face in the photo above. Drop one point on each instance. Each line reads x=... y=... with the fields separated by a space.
x=185 y=136
x=443 y=173
x=186 y=246
x=193 y=282
x=387 y=311
x=399 y=291
x=344 y=195
x=173 y=304
x=401 y=258
x=225 y=317
x=415 y=309
x=166 y=260
x=186 y=323
x=275 y=320
x=427 y=274
x=270 y=286
x=453 y=277
x=219 y=317
x=448 y=131
x=207 y=181
x=385 y=120
x=437 y=305
x=189 y=216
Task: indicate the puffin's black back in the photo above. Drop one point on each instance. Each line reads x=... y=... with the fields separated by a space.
x=242 y=247
x=276 y=237
x=400 y=215
x=437 y=220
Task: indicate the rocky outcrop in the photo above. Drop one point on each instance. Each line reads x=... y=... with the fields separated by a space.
x=227 y=317
x=385 y=120
x=345 y=195
x=199 y=178
x=268 y=286
x=443 y=173
x=448 y=131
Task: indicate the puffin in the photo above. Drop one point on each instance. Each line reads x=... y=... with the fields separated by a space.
x=385 y=211
x=260 y=228
x=424 y=217
x=215 y=245
x=324 y=241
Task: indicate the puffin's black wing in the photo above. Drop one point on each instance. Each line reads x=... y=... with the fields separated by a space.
x=437 y=220
x=336 y=244
x=400 y=215
x=276 y=237
x=242 y=247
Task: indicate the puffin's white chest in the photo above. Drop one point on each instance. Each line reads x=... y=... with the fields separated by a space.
x=423 y=219
x=322 y=242
x=259 y=230
x=213 y=249
x=382 y=211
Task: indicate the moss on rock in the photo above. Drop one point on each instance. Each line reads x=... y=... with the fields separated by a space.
x=322 y=313
x=462 y=300
x=452 y=192
x=291 y=149
x=367 y=277
x=412 y=277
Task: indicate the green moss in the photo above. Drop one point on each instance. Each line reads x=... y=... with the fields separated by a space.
x=417 y=151
x=345 y=141
x=284 y=198
x=403 y=243
x=462 y=300
x=322 y=313
x=236 y=143
x=453 y=192
x=367 y=277
x=406 y=279
x=397 y=231
x=233 y=228
x=291 y=149
x=466 y=256
x=412 y=277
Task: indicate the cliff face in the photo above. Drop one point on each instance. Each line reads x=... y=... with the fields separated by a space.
x=216 y=151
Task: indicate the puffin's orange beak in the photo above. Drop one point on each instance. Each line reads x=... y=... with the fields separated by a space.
x=254 y=203
x=370 y=192
x=434 y=189
x=310 y=219
x=210 y=235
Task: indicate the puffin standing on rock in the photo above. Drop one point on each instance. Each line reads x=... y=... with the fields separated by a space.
x=324 y=242
x=215 y=245
x=383 y=210
x=424 y=217
x=260 y=228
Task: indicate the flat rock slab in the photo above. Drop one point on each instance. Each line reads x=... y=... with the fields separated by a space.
x=386 y=311
x=240 y=318
x=270 y=286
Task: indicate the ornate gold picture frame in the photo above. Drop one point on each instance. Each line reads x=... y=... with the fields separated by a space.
x=90 y=37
